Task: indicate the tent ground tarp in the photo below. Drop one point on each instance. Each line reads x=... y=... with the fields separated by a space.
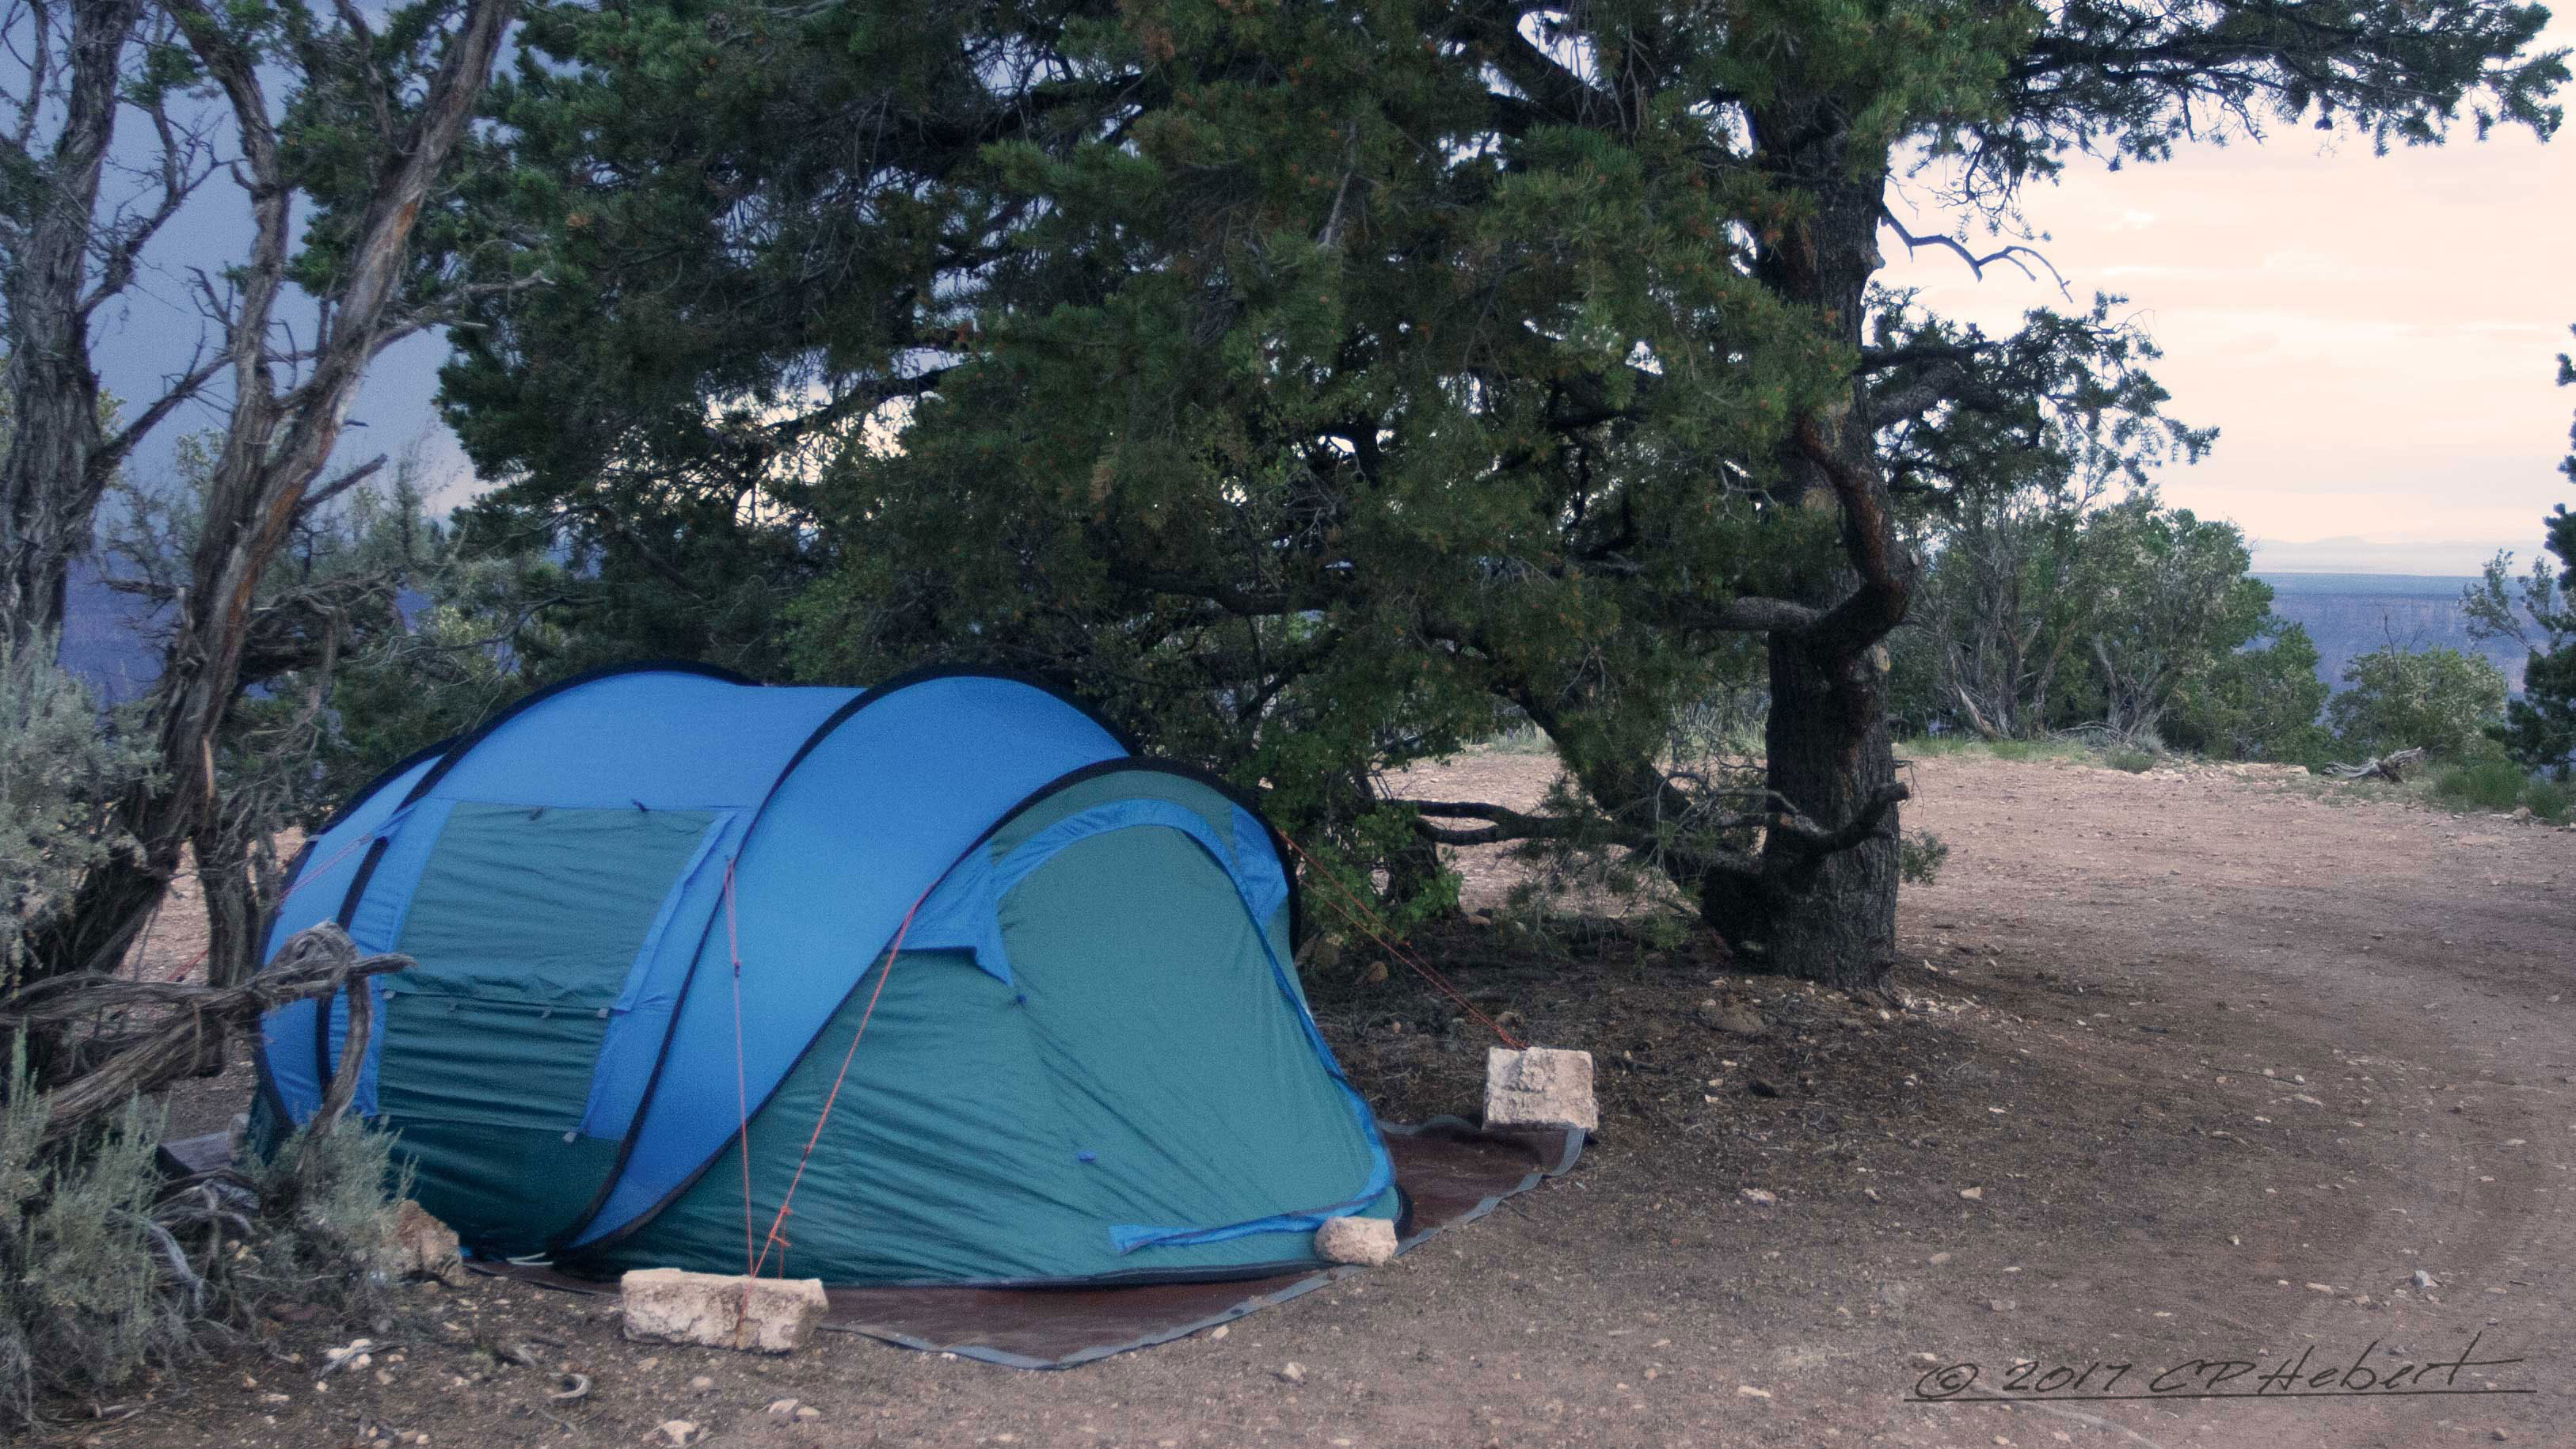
x=1451 y=1172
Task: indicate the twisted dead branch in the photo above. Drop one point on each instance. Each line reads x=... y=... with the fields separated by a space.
x=2391 y=768
x=315 y=963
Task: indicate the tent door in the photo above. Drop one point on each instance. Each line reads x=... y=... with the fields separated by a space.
x=527 y=922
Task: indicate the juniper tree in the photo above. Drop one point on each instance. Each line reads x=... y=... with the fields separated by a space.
x=2538 y=612
x=340 y=137
x=1320 y=384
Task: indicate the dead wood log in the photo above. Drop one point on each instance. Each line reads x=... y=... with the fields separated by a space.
x=1976 y=717
x=2391 y=768
x=315 y=962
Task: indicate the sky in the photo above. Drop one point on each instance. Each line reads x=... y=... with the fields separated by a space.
x=2374 y=336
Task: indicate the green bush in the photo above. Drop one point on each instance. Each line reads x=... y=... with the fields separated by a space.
x=106 y=1271
x=1920 y=854
x=2551 y=800
x=2440 y=699
x=59 y=772
x=2256 y=704
x=81 y=1267
x=2481 y=785
x=2136 y=762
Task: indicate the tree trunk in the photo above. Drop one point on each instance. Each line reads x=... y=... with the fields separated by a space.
x=275 y=445
x=1831 y=918
x=1828 y=916
x=48 y=487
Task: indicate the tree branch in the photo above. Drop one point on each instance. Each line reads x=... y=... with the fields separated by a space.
x=1506 y=824
x=1978 y=264
x=1808 y=838
x=1878 y=605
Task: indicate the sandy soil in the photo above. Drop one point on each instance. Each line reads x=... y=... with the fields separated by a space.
x=2194 y=1067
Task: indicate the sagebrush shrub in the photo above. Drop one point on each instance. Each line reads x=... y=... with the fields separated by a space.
x=83 y=1267
x=2550 y=799
x=59 y=773
x=106 y=1269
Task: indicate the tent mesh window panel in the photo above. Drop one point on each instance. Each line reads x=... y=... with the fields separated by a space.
x=525 y=925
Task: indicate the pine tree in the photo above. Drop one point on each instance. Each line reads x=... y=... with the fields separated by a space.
x=2539 y=728
x=1322 y=384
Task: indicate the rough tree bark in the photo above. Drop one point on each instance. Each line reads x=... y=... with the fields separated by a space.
x=60 y=455
x=185 y=1019
x=287 y=415
x=1828 y=915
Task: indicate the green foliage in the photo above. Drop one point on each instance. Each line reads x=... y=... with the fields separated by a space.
x=104 y=1272
x=2171 y=599
x=324 y=1231
x=1920 y=854
x=1305 y=506
x=2551 y=800
x=483 y=631
x=2501 y=786
x=1319 y=387
x=82 y=1266
x=60 y=773
x=2539 y=726
x=2438 y=699
x=2130 y=761
x=2023 y=547
x=2480 y=785
x=2256 y=704
x=2047 y=608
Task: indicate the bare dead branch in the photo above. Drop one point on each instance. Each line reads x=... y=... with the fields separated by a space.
x=2391 y=768
x=349 y=479
x=1506 y=824
x=1807 y=837
x=1978 y=264
x=316 y=962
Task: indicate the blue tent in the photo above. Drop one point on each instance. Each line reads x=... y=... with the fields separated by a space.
x=944 y=964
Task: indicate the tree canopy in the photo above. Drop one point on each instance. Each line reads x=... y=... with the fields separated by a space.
x=1319 y=385
x=2538 y=612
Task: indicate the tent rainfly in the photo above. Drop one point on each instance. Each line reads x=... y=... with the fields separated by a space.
x=988 y=998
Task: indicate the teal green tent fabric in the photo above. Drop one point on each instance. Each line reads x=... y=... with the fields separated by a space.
x=653 y=910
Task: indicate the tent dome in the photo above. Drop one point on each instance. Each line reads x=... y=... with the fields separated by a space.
x=990 y=998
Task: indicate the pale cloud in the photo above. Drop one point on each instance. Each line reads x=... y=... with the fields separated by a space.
x=2375 y=336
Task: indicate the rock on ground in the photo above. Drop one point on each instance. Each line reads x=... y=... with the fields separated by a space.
x=424 y=1247
x=763 y=1315
x=1365 y=1241
x=1539 y=1087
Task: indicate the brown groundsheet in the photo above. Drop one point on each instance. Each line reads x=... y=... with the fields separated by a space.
x=1452 y=1172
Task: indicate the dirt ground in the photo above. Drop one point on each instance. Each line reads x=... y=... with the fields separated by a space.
x=2195 y=1069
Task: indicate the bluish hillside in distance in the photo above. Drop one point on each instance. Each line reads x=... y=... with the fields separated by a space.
x=2346 y=614
x=2353 y=614
x=107 y=638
